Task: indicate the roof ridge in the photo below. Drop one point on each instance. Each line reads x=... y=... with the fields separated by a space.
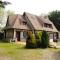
x=30 y=13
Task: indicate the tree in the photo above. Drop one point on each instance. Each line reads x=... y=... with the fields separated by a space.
x=9 y=12
x=54 y=16
x=38 y=38
x=3 y=4
x=44 y=39
x=31 y=41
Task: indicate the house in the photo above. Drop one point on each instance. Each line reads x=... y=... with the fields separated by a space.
x=17 y=26
x=40 y=23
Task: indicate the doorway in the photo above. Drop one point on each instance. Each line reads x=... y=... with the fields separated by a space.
x=18 y=35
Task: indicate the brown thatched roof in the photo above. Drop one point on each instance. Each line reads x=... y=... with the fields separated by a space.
x=16 y=21
x=37 y=22
x=47 y=21
x=32 y=20
x=44 y=20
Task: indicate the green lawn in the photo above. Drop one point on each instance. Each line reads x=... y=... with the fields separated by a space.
x=13 y=51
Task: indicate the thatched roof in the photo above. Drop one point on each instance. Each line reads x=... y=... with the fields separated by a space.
x=38 y=22
x=47 y=21
x=33 y=22
x=16 y=21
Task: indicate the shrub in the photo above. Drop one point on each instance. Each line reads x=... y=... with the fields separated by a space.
x=38 y=38
x=31 y=41
x=44 y=40
x=1 y=35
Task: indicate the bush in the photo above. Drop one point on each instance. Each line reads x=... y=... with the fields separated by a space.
x=38 y=38
x=31 y=41
x=44 y=40
x=1 y=35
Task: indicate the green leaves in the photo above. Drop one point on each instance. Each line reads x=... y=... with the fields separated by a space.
x=3 y=4
x=38 y=38
x=44 y=39
x=31 y=41
x=54 y=16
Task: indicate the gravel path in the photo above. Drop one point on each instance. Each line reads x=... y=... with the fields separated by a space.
x=5 y=58
x=50 y=55
x=47 y=55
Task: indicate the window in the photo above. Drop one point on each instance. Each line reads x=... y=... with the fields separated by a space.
x=25 y=34
x=57 y=36
x=50 y=36
x=24 y=23
x=47 y=25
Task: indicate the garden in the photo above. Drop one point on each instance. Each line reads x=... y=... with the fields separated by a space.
x=36 y=48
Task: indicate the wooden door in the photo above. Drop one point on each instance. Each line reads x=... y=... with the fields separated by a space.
x=18 y=35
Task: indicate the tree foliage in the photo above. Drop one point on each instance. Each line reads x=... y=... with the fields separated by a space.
x=38 y=38
x=3 y=4
x=31 y=40
x=44 y=39
x=2 y=12
x=54 y=16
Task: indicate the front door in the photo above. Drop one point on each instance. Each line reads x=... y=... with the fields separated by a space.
x=18 y=35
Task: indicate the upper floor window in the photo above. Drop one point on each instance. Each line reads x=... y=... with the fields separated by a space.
x=24 y=23
x=47 y=25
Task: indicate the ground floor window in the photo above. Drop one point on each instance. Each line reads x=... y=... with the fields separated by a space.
x=50 y=36
x=23 y=35
x=57 y=35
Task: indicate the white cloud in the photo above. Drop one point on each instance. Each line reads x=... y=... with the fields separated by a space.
x=33 y=6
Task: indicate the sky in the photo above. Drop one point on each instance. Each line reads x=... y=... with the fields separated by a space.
x=33 y=6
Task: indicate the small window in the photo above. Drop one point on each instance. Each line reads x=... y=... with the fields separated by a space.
x=24 y=23
x=47 y=25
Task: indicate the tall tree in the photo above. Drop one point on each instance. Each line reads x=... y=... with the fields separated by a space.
x=54 y=16
x=2 y=6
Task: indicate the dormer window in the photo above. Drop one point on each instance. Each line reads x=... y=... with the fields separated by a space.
x=24 y=22
x=47 y=25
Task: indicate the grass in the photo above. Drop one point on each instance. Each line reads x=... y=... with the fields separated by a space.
x=13 y=51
